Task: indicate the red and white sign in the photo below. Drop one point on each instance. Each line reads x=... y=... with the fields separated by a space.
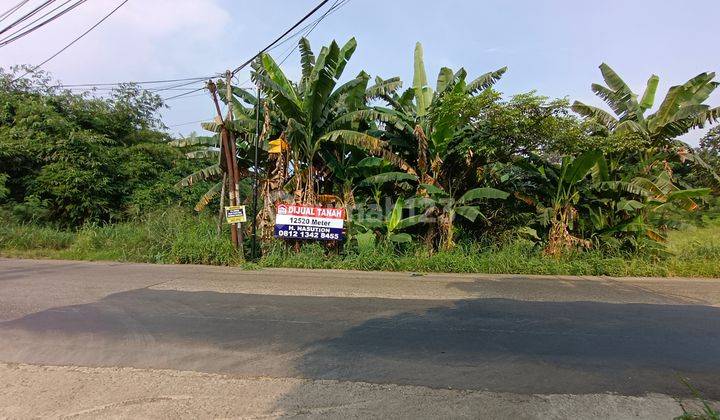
x=307 y=222
x=324 y=212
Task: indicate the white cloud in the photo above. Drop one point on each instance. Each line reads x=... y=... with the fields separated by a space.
x=145 y=38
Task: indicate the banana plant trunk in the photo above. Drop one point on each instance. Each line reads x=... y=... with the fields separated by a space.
x=447 y=230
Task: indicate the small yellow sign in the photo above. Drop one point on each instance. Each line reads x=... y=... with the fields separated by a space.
x=235 y=214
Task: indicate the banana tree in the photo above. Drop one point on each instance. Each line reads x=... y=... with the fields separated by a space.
x=420 y=121
x=658 y=196
x=441 y=207
x=390 y=227
x=557 y=203
x=316 y=110
x=202 y=147
x=682 y=109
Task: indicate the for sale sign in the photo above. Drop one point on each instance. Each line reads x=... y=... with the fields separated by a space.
x=309 y=223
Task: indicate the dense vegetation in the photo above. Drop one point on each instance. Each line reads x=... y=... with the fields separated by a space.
x=453 y=177
x=68 y=160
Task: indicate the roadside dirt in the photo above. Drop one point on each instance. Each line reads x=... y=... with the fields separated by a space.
x=77 y=392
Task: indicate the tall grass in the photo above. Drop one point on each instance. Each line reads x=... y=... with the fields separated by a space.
x=171 y=237
x=177 y=236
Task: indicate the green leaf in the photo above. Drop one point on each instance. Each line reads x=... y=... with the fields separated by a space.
x=648 y=99
x=400 y=238
x=480 y=193
x=345 y=53
x=275 y=74
x=395 y=215
x=285 y=100
x=581 y=166
x=529 y=232
x=321 y=83
x=420 y=203
x=469 y=212
x=371 y=162
x=434 y=190
x=201 y=175
x=595 y=113
x=195 y=140
x=383 y=88
x=629 y=205
x=445 y=79
x=689 y=193
x=208 y=196
x=612 y=79
x=369 y=143
x=372 y=114
x=389 y=177
x=307 y=58
x=485 y=81
x=371 y=223
x=410 y=221
x=423 y=93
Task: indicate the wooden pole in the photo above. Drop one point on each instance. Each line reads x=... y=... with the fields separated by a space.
x=221 y=212
x=233 y=152
x=230 y=167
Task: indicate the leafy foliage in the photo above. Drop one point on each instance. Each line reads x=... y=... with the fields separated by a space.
x=71 y=159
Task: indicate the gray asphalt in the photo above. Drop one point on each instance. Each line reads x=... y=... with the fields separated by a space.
x=628 y=339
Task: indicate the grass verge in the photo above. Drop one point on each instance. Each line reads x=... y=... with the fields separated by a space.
x=176 y=237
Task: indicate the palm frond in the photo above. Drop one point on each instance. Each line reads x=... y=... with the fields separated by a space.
x=206 y=198
x=485 y=81
x=383 y=88
x=597 y=114
x=202 y=175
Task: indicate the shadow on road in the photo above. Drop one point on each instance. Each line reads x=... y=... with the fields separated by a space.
x=490 y=344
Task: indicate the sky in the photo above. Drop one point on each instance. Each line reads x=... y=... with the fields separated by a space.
x=551 y=46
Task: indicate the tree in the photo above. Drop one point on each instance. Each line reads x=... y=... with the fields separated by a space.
x=317 y=110
x=682 y=109
x=438 y=205
x=422 y=121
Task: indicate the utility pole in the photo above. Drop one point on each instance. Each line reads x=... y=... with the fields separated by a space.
x=233 y=151
x=230 y=163
x=256 y=174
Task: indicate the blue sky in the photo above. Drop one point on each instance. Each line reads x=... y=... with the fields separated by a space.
x=551 y=46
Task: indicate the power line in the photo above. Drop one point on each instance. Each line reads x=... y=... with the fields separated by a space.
x=27 y=16
x=336 y=6
x=190 y=122
x=183 y=94
x=276 y=43
x=307 y=29
x=75 y=40
x=149 y=82
x=18 y=34
x=6 y=14
x=292 y=28
x=162 y=89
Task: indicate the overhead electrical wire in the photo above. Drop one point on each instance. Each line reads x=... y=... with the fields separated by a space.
x=21 y=32
x=279 y=41
x=305 y=31
x=75 y=40
x=150 y=82
x=292 y=28
x=6 y=14
x=27 y=16
x=188 y=92
x=276 y=43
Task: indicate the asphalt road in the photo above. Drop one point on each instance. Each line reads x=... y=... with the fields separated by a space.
x=499 y=334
